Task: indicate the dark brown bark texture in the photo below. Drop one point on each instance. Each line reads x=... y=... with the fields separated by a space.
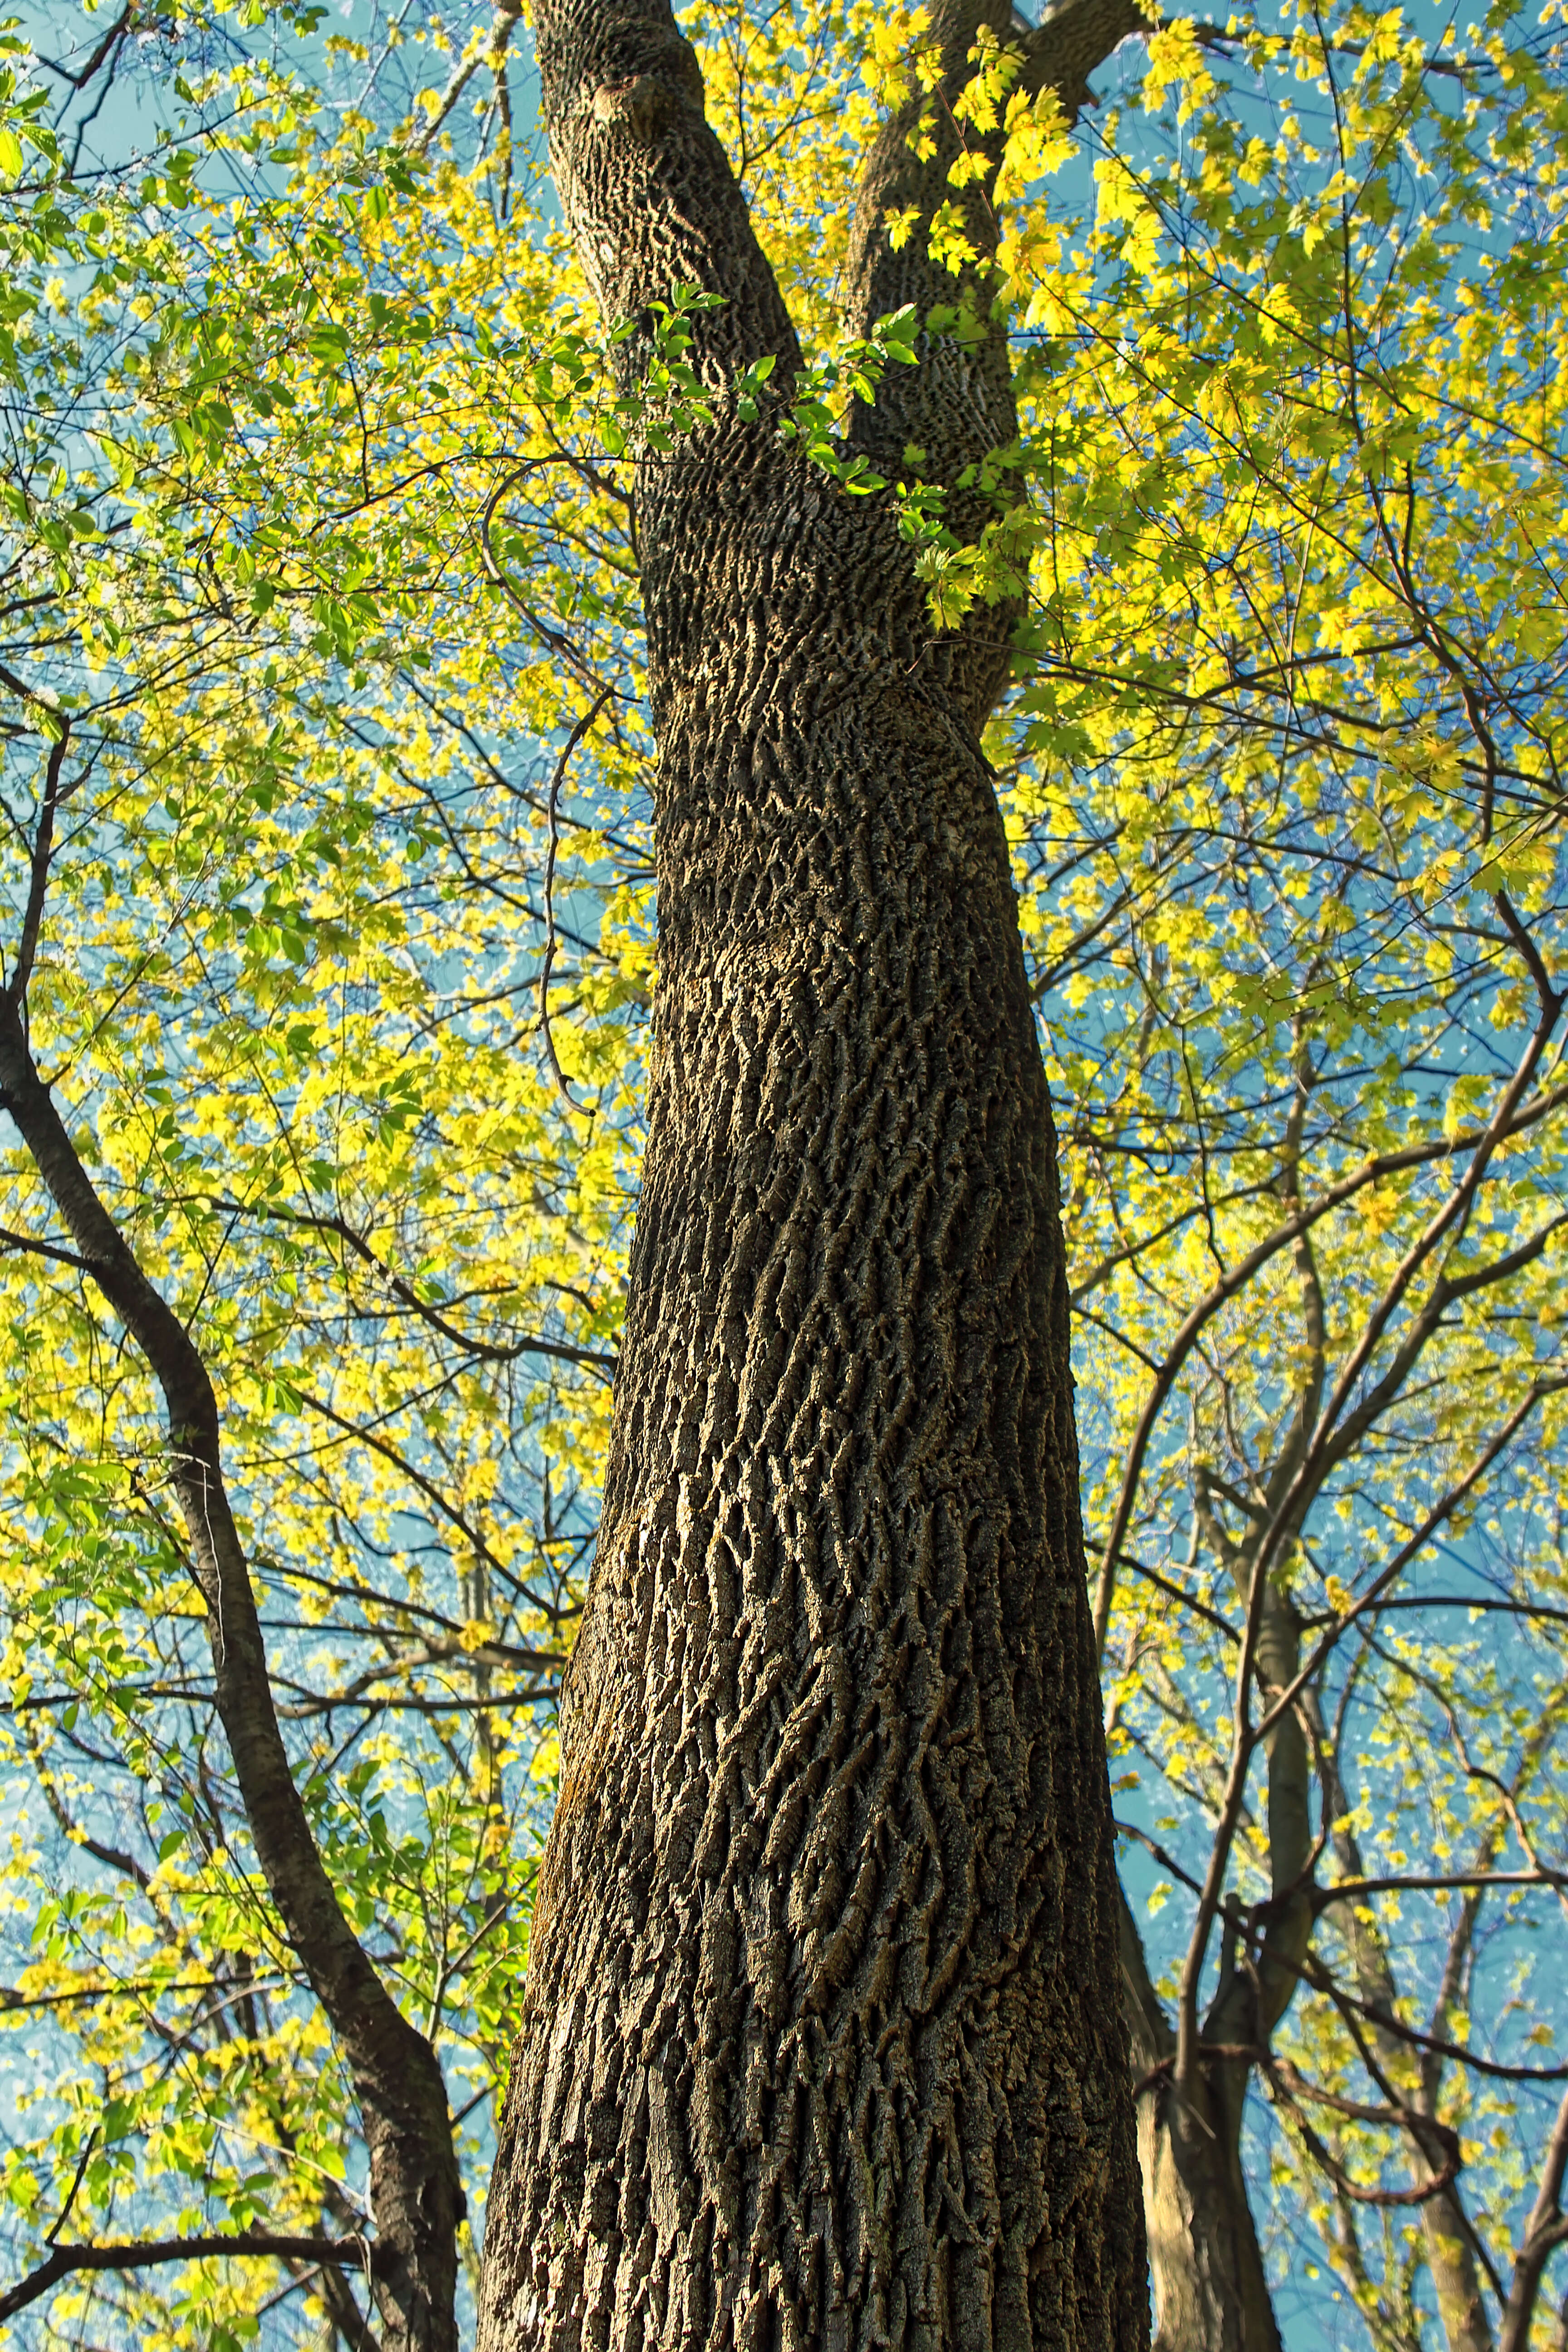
x=823 y=2042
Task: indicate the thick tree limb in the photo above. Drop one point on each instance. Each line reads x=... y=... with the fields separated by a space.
x=417 y=2198
x=1208 y=2269
x=957 y=408
x=648 y=191
x=960 y=408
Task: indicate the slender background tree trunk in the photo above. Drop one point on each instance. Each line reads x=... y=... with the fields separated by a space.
x=823 y=2040
x=1450 y=2239
x=1211 y=2293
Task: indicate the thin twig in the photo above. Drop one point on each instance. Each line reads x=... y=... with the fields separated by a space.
x=43 y=852
x=555 y=783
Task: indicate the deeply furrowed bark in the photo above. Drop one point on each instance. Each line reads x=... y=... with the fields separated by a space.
x=822 y=2038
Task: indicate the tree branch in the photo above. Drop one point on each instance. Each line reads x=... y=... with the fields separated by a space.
x=1186 y=1339
x=562 y=764
x=38 y=878
x=350 y=2253
x=417 y=2198
x=1546 y=2230
x=646 y=190
x=1247 y=1735
x=488 y=1351
x=33 y=1247
x=957 y=408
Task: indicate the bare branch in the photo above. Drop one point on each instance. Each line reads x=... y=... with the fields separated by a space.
x=1371 y=1172
x=484 y=1351
x=34 y=1247
x=1351 y=1890
x=556 y=781
x=350 y=2253
x=489 y=52
x=1546 y=2230
x=38 y=878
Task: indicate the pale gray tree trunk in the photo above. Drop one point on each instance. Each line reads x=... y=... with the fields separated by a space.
x=1211 y=2291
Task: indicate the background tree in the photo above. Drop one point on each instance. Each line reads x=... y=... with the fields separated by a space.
x=1302 y=612
x=290 y=936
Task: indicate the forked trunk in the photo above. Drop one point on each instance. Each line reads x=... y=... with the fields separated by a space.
x=823 y=2042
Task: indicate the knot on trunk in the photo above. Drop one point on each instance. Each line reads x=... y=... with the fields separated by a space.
x=639 y=105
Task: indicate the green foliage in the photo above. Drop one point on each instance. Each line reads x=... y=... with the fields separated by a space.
x=317 y=547
x=1284 y=781
x=299 y=524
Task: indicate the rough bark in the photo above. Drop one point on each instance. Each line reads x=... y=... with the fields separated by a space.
x=416 y=2198
x=957 y=408
x=822 y=2039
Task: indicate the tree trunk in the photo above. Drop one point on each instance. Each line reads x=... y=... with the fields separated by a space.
x=1211 y=2291
x=1450 y=2240
x=1211 y=2294
x=822 y=2040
